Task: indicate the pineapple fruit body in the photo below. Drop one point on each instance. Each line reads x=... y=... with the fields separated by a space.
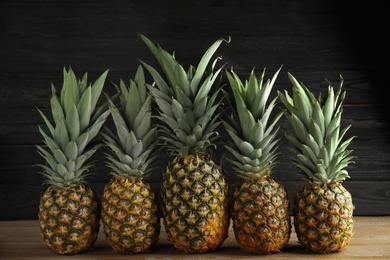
x=323 y=209
x=260 y=205
x=68 y=211
x=194 y=188
x=195 y=196
x=130 y=215
x=261 y=216
x=69 y=218
x=323 y=217
x=129 y=206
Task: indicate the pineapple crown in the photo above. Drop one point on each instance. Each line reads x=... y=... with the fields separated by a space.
x=188 y=112
x=77 y=120
x=133 y=142
x=253 y=143
x=316 y=137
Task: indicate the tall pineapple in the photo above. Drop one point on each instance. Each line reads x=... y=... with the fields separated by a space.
x=194 y=188
x=323 y=208
x=69 y=210
x=260 y=205
x=129 y=208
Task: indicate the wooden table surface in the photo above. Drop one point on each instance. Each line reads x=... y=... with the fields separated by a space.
x=22 y=240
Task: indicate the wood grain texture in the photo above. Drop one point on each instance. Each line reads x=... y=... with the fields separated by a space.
x=371 y=240
x=314 y=40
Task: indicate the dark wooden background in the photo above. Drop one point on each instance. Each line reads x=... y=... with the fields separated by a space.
x=314 y=40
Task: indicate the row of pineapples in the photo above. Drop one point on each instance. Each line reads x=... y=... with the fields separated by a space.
x=196 y=208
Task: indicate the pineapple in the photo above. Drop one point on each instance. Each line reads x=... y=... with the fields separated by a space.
x=129 y=208
x=69 y=210
x=260 y=205
x=194 y=188
x=323 y=208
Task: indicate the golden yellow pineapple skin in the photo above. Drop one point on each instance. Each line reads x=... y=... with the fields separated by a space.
x=323 y=217
x=130 y=215
x=261 y=216
x=195 y=196
x=69 y=218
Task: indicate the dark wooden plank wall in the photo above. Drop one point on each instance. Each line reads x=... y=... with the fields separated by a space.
x=313 y=40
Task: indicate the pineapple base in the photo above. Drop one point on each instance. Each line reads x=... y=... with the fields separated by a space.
x=261 y=216
x=195 y=196
x=130 y=215
x=323 y=217
x=69 y=219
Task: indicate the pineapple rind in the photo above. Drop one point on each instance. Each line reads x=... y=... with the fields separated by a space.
x=130 y=215
x=195 y=196
x=323 y=217
x=69 y=218
x=261 y=218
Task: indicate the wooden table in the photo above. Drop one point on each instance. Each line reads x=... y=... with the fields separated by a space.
x=22 y=240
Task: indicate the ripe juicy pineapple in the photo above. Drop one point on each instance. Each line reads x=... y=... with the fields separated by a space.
x=69 y=210
x=129 y=208
x=260 y=205
x=323 y=207
x=194 y=188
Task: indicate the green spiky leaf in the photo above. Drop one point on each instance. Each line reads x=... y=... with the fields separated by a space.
x=71 y=130
x=317 y=150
